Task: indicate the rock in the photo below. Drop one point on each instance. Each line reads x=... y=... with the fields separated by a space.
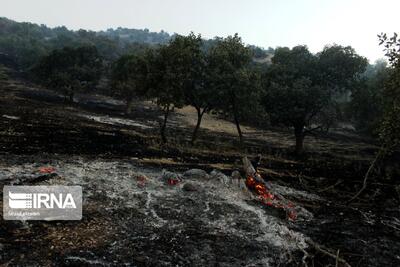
x=216 y=175
x=196 y=174
x=237 y=180
x=190 y=187
x=236 y=175
x=167 y=175
x=141 y=180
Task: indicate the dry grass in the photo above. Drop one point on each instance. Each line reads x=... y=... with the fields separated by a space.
x=347 y=147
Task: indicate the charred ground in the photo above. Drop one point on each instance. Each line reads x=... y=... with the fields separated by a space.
x=37 y=128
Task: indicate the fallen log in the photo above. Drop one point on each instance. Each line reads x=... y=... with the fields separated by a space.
x=256 y=184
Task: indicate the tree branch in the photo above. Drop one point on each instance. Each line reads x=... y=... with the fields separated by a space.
x=327 y=253
x=371 y=167
x=309 y=131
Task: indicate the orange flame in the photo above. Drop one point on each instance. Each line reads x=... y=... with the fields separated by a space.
x=268 y=198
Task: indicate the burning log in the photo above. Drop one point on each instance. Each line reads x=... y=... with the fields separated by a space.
x=256 y=184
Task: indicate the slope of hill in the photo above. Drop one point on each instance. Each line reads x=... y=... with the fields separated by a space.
x=129 y=223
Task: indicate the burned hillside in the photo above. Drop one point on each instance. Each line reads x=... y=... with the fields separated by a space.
x=134 y=215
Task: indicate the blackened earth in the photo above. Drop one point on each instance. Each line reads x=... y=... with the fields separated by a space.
x=216 y=223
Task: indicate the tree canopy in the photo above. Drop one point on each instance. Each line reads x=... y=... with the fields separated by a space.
x=69 y=70
x=129 y=78
x=366 y=107
x=167 y=80
x=25 y=43
x=299 y=84
x=390 y=128
x=194 y=63
x=233 y=81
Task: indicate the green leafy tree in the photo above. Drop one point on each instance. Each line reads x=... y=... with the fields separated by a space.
x=293 y=93
x=193 y=64
x=340 y=67
x=167 y=80
x=25 y=43
x=70 y=70
x=390 y=128
x=367 y=99
x=129 y=78
x=299 y=85
x=230 y=76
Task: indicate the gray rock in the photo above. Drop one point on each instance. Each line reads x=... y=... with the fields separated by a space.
x=190 y=187
x=219 y=176
x=196 y=174
x=237 y=180
x=236 y=175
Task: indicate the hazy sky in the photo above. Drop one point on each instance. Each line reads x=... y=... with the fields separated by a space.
x=261 y=22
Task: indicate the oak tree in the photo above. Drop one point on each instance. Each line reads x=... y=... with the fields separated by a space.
x=70 y=70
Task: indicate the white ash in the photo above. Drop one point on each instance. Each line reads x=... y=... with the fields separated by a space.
x=118 y=121
x=223 y=207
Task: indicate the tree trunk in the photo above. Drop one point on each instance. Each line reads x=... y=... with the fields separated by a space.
x=238 y=129
x=164 y=126
x=299 y=133
x=128 y=109
x=71 y=97
x=196 y=129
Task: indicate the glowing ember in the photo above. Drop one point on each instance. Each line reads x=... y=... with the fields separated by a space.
x=47 y=170
x=292 y=215
x=267 y=197
x=141 y=180
x=172 y=181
